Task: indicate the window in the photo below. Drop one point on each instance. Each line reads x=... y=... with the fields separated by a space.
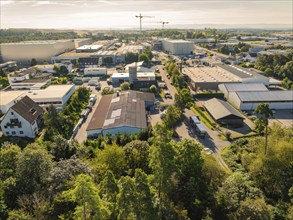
x=33 y=111
x=13 y=132
x=12 y=113
x=20 y=132
x=7 y=132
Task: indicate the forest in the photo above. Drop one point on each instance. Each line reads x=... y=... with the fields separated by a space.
x=17 y=35
x=146 y=176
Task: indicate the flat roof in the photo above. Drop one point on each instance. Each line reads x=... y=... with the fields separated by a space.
x=178 y=41
x=265 y=96
x=237 y=87
x=105 y=53
x=240 y=72
x=220 y=109
x=90 y=47
x=53 y=91
x=38 y=42
x=209 y=74
x=8 y=96
x=74 y=54
x=127 y=109
x=129 y=48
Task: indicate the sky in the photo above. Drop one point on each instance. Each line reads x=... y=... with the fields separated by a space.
x=120 y=14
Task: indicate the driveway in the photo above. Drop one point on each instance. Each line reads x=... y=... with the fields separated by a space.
x=81 y=135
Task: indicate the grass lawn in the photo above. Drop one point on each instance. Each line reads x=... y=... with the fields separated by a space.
x=204 y=117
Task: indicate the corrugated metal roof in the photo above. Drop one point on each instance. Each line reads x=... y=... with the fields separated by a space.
x=237 y=87
x=126 y=109
x=220 y=109
x=265 y=96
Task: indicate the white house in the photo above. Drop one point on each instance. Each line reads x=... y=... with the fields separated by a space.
x=23 y=119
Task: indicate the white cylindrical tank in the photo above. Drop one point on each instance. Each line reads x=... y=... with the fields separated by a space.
x=132 y=73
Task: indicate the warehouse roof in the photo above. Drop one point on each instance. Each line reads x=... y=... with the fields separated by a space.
x=127 y=109
x=240 y=72
x=235 y=87
x=265 y=96
x=9 y=96
x=53 y=91
x=220 y=109
x=28 y=109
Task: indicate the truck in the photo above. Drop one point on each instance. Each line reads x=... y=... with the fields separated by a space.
x=198 y=127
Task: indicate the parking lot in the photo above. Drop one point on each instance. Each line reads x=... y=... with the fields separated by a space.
x=81 y=135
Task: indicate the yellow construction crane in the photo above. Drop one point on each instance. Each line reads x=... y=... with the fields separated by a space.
x=140 y=19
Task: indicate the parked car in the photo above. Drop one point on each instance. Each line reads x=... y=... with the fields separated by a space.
x=168 y=96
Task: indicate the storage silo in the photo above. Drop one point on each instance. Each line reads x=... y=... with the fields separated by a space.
x=132 y=73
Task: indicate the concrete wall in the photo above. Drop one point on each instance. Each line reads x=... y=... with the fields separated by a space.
x=177 y=48
x=24 y=52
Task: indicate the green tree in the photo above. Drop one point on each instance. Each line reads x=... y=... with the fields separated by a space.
x=144 y=206
x=125 y=86
x=34 y=62
x=66 y=170
x=112 y=158
x=269 y=72
x=127 y=198
x=137 y=155
x=254 y=209
x=33 y=169
x=108 y=190
x=183 y=99
x=63 y=70
x=9 y=154
x=143 y=57
x=236 y=188
x=85 y=194
x=153 y=89
x=265 y=112
x=190 y=187
x=131 y=57
x=173 y=116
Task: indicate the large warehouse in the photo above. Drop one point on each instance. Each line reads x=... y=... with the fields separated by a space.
x=177 y=47
x=223 y=113
x=248 y=101
x=227 y=88
x=121 y=113
x=40 y=50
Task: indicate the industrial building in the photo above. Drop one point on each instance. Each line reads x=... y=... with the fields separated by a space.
x=95 y=71
x=249 y=100
x=223 y=113
x=118 y=78
x=24 y=119
x=24 y=51
x=177 y=47
x=88 y=48
x=57 y=95
x=28 y=79
x=7 y=99
x=9 y=66
x=205 y=77
x=121 y=113
x=245 y=75
x=227 y=88
x=49 y=68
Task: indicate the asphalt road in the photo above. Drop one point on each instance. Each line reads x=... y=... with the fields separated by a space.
x=81 y=135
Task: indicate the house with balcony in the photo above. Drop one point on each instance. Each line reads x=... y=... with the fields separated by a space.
x=24 y=119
